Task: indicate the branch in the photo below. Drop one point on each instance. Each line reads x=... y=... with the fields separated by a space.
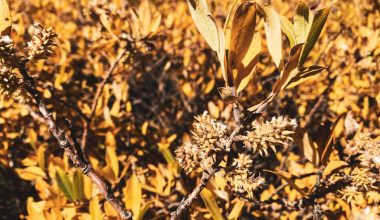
x=73 y=153
x=98 y=93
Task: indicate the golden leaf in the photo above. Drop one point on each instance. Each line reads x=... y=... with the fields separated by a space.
x=5 y=18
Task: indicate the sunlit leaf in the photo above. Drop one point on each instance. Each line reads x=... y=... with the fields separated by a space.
x=5 y=18
x=210 y=202
x=304 y=73
x=30 y=173
x=78 y=185
x=236 y=210
x=288 y=29
x=272 y=27
x=133 y=195
x=302 y=22
x=287 y=178
x=95 y=210
x=112 y=161
x=332 y=167
x=204 y=22
x=308 y=147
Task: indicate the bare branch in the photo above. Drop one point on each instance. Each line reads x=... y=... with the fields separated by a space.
x=73 y=153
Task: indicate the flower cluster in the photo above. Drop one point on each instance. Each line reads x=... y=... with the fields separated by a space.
x=12 y=86
x=209 y=138
x=277 y=132
x=8 y=53
x=42 y=43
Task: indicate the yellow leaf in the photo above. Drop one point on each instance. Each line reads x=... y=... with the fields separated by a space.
x=210 y=202
x=110 y=140
x=332 y=167
x=302 y=22
x=112 y=161
x=133 y=195
x=308 y=147
x=5 y=18
x=144 y=128
x=30 y=173
x=95 y=211
x=288 y=178
x=204 y=22
x=272 y=27
x=87 y=187
x=236 y=210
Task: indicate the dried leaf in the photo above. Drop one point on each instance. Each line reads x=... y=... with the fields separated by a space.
x=5 y=18
x=308 y=147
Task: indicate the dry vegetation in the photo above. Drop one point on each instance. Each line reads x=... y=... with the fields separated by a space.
x=189 y=110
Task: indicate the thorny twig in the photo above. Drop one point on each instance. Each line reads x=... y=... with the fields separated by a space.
x=72 y=152
x=98 y=93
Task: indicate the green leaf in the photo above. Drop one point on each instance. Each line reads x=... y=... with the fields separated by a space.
x=304 y=73
x=288 y=29
x=78 y=185
x=210 y=201
x=5 y=18
x=302 y=22
x=315 y=30
x=204 y=22
x=64 y=184
x=272 y=27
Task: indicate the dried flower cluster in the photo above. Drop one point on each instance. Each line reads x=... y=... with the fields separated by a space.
x=210 y=137
x=12 y=86
x=270 y=134
x=42 y=43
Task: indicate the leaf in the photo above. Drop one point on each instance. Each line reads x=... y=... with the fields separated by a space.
x=242 y=31
x=332 y=167
x=94 y=207
x=246 y=72
x=5 y=18
x=302 y=22
x=287 y=178
x=315 y=30
x=228 y=94
x=133 y=195
x=144 y=209
x=204 y=22
x=64 y=184
x=328 y=146
x=30 y=173
x=288 y=29
x=350 y=126
x=210 y=202
x=78 y=185
x=289 y=72
x=272 y=27
x=304 y=73
x=112 y=161
x=308 y=147
x=236 y=210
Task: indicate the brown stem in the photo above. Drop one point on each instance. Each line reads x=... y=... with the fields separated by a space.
x=74 y=154
x=206 y=176
x=98 y=93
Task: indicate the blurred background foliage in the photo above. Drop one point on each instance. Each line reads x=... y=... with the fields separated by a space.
x=146 y=109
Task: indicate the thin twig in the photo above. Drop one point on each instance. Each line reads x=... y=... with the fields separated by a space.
x=73 y=153
x=98 y=93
